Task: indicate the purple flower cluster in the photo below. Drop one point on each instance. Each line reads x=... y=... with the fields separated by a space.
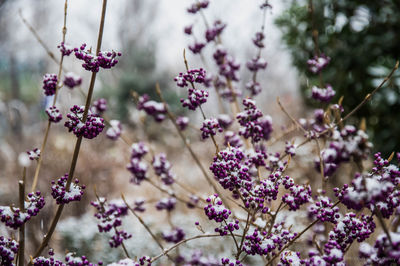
x=317 y=63
x=323 y=94
x=137 y=166
x=345 y=144
x=373 y=190
x=99 y=106
x=71 y=80
x=62 y=195
x=115 y=130
x=93 y=63
x=324 y=211
x=54 y=114
x=162 y=168
x=8 y=250
x=167 y=204
x=34 y=154
x=299 y=195
x=210 y=128
x=93 y=126
x=196 y=7
x=182 y=122
x=155 y=109
x=253 y=124
x=216 y=211
x=13 y=217
x=50 y=84
x=110 y=215
x=174 y=236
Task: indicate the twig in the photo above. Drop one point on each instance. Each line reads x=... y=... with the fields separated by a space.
x=21 y=248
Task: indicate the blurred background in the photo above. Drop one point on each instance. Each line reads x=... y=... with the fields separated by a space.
x=361 y=37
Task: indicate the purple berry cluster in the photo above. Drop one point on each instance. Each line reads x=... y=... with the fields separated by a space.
x=224 y=120
x=253 y=124
x=62 y=195
x=34 y=154
x=196 y=7
x=174 y=236
x=162 y=168
x=8 y=250
x=215 y=210
x=232 y=139
x=54 y=114
x=230 y=170
x=228 y=66
x=13 y=217
x=93 y=126
x=214 y=31
x=324 y=211
x=93 y=63
x=109 y=215
x=196 y=97
x=345 y=144
x=262 y=243
x=384 y=252
x=375 y=190
x=155 y=109
x=323 y=94
x=115 y=130
x=317 y=63
x=167 y=204
x=137 y=166
x=50 y=84
x=210 y=128
x=99 y=106
x=72 y=80
x=299 y=195
x=65 y=49
x=182 y=122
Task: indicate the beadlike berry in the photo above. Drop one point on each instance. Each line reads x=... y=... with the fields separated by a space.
x=62 y=195
x=256 y=63
x=72 y=80
x=298 y=196
x=224 y=121
x=54 y=114
x=253 y=87
x=196 y=47
x=50 y=84
x=214 y=31
x=258 y=39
